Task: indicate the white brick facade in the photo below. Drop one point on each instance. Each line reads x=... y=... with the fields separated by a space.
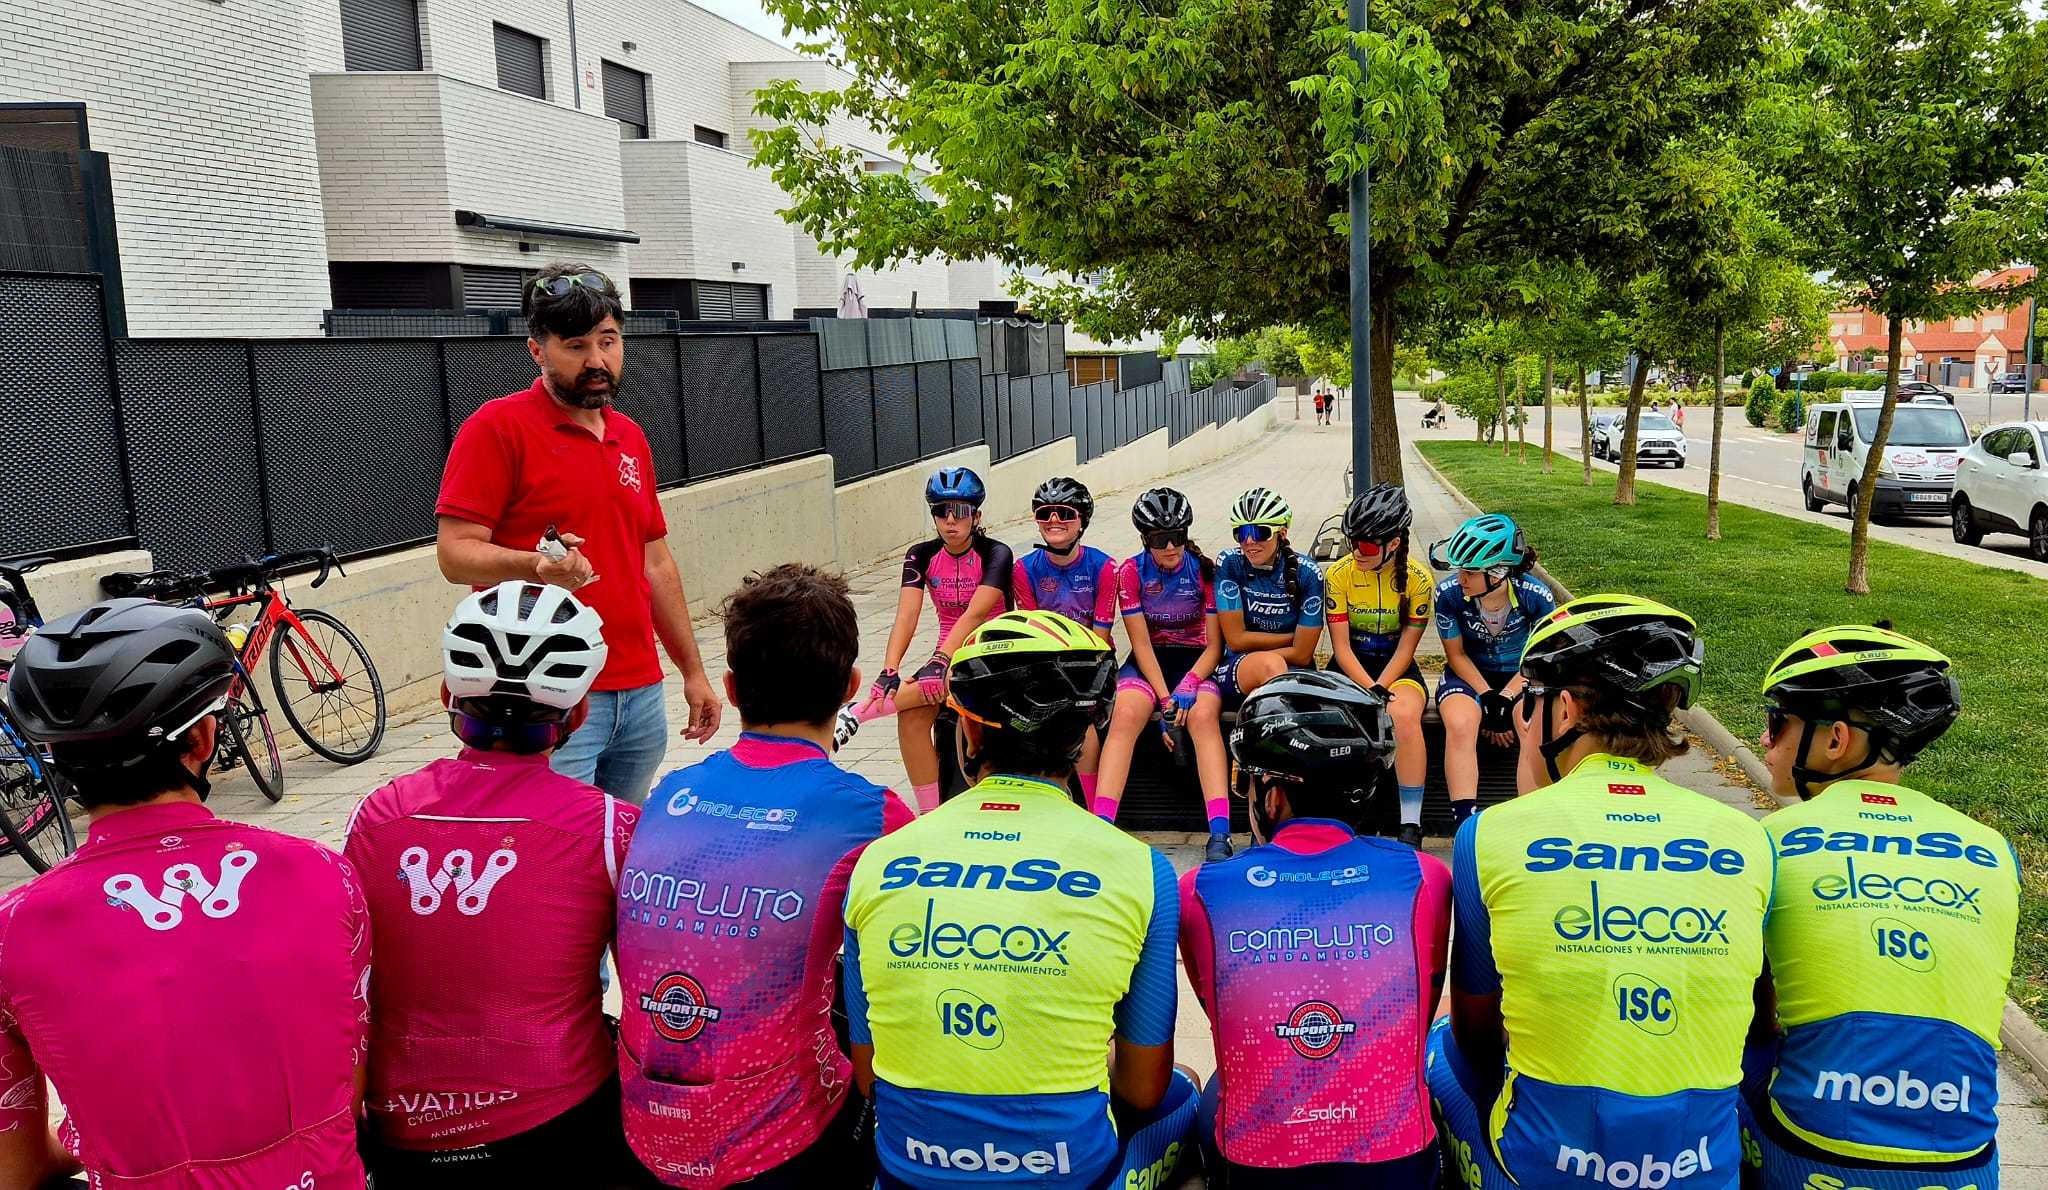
x=699 y=210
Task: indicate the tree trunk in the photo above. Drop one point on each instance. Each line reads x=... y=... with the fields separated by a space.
x=1714 y=459
x=1585 y=431
x=1386 y=426
x=1625 y=483
x=1548 y=378
x=1500 y=403
x=1866 y=492
x=1521 y=416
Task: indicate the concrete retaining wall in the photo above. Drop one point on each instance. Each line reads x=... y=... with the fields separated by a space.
x=884 y=514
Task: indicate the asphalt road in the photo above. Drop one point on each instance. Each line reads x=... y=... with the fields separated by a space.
x=1760 y=468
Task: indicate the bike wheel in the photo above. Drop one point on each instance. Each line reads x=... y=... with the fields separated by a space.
x=343 y=719
x=33 y=822
x=247 y=740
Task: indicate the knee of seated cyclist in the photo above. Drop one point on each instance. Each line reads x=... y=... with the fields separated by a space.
x=1406 y=710
x=1207 y=715
x=1132 y=710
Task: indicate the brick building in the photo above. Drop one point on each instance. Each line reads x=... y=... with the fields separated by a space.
x=1960 y=352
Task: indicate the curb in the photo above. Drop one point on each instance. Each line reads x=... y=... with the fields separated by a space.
x=2017 y=1031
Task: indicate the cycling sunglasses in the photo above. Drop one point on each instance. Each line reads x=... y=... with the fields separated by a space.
x=1055 y=512
x=1166 y=539
x=560 y=286
x=959 y=509
x=1371 y=545
x=1776 y=719
x=1249 y=533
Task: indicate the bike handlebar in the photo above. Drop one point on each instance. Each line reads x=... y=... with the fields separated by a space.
x=237 y=577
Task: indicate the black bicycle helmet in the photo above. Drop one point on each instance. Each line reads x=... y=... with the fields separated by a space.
x=1162 y=510
x=1378 y=512
x=1035 y=673
x=1072 y=493
x=1618 y=645
x=1316 y=727
x=1891 y=685
x=123 y=676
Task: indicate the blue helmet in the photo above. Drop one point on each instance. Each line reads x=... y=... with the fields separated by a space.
x=955 y=483
x=1487 y=540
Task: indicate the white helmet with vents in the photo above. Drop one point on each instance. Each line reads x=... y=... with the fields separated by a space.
x=524 y=639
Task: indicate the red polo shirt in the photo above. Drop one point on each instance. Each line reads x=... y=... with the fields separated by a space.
x=520 y=464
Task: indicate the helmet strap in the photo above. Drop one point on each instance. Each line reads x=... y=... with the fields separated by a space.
x=1262 y=822
x=1073 y=548
x=1804 y=778
x=1554 y=745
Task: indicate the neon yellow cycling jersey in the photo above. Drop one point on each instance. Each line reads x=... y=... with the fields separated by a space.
x=1367 y=602
x=1620 y=919
x=993 y=947
x=1890 y=940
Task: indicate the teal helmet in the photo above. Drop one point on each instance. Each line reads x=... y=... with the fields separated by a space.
x=1487 y=540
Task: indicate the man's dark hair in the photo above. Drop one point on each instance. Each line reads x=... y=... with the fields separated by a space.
x=1026 y=755
x=791 y=638
x=131 y=780
x=576 y=311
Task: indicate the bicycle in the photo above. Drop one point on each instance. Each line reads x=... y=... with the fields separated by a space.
x=331 y=694
x=31 y=793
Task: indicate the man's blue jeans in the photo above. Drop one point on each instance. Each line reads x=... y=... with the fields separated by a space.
x=620 y=746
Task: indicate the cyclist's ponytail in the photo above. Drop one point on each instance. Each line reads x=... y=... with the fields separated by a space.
x=1401 y=567
x=1202 y=560
x=1287 y=556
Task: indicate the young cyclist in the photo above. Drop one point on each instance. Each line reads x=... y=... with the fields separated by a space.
x=1062 y=575
x=1609 y=931
x=491 y=882
x=1484 y=614
x=1891 y=932
x=1378 y=603
x=999 y=947
x=729 y=915
x=967 y=575
x=193 y=988
x=1319 y=957
x=1269 y=607
x=1167 y=594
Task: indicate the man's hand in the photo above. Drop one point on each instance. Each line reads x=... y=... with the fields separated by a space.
x=705 y=709
x=570 y=572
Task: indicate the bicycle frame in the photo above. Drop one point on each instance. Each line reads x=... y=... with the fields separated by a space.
x=275 y=611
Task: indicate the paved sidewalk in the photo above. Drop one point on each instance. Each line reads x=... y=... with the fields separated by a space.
x=1304 y=462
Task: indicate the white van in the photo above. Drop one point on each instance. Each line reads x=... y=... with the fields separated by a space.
x=1919 y=471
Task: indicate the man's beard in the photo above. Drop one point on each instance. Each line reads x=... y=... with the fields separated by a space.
x=593 y=388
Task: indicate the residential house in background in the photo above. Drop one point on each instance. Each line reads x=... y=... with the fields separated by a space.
x=1957 y=352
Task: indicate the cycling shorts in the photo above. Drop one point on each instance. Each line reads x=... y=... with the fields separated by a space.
x=1374 y=666
x=844 y=1155
x=1789 y=1164
x=584 y=1146
x=1417 y=1171
x=1226 y=681
x=1453 y=684
x=1174 y=663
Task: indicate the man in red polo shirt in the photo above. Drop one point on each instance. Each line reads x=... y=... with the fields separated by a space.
x=559 y=457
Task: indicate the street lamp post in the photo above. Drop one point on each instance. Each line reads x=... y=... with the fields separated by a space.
x=2027 y=365
x=1361 y=283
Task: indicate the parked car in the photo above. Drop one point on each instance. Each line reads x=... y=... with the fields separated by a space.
x=1913 y=390
x=2011 y=382
x=1658 y=439
x=1920 y=458
x=2001 y=487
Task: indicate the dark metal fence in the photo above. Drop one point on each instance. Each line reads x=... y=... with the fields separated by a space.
x=1219 y=403
x=494 y=320
x=897 y=390
x=64 y=480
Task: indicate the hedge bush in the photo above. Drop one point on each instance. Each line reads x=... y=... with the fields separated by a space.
x=1791 y=414
x=1762 y=400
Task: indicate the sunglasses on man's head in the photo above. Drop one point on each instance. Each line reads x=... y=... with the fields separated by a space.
x=560 y=286
x=959 y=509
x=1166 y=539
x=1249 y=533
x=1056 y=512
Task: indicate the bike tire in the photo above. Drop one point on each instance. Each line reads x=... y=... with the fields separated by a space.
x=33 y=821
x=333 y=722
x=245 y=726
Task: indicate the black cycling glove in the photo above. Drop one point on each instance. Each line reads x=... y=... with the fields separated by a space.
x=1496 y=712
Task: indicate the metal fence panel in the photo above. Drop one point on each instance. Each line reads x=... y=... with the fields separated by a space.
x=651 y=397
x=895 y=416
x=927 y=339
x=721 y=408
x=961 y=340
x=985 y=347
x=967 y=427
x=342 y=471
x=842 y=343
x=53 y=352
x=850 y=423
x=191 y=434
x=1020 y=439
x=1041 y=410
x=1098 y=418
x=1056 y=348
x=791 y=421
x=995 y=425
x=1016 y=349
x=1041 y=349
x=1062 y=407
x=935 y=408
x=889 y=341
x=481 y=369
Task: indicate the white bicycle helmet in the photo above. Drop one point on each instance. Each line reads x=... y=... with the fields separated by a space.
x=524 y=639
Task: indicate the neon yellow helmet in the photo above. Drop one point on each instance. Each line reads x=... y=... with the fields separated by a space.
x=1261 y=506
x=1619 y=643
x=1033 y=672
x=1901 y=691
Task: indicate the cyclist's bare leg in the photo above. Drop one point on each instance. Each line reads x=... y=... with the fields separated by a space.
x=1090 y=762
x=1133 y=712
x=1212 y=764
x=920 y=759
x=1461 y=746
x=1257 y=669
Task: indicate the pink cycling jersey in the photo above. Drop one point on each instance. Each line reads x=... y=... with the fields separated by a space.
x=1318 y=958
x=952 y=579
x=194 y=989
x=490 y=881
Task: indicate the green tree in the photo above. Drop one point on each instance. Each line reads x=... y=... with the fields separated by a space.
x=1763 y=398
x=1911 y=166
x=1197 y=156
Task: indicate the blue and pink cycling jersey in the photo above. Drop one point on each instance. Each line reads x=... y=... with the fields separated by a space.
x=728 y=921
x=1083 y=590
x=1319 y=958
x=952 y=579
x=1175 y=604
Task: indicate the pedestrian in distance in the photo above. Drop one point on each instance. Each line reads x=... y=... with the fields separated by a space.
x=194 y=989
x=729 y=916
x=491 y=1060
x=556 y=485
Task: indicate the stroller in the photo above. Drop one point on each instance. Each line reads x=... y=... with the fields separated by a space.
x=1434 y=418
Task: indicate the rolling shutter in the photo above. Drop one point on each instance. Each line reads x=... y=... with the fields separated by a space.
x=380 y=34
x=520 y=62
x=625 y=100
x=727 y=301
x=714 y=301
x=494 y=288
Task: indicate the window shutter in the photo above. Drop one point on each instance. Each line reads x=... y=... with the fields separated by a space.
x=496 y=288
x=750 y=303
x=520 y=64
x=625 y=99
x=380 y=34
x=714 y=301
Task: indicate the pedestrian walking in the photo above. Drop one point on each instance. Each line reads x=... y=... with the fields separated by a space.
x=555 y=485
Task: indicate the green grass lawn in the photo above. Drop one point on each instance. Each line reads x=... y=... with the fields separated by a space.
x=1771 y=578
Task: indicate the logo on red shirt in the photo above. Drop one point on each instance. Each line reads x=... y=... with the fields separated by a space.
x=629 y=471
x=1880 y=799
x=1630 y=790
x=1001 y=806
x=677 y=1007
